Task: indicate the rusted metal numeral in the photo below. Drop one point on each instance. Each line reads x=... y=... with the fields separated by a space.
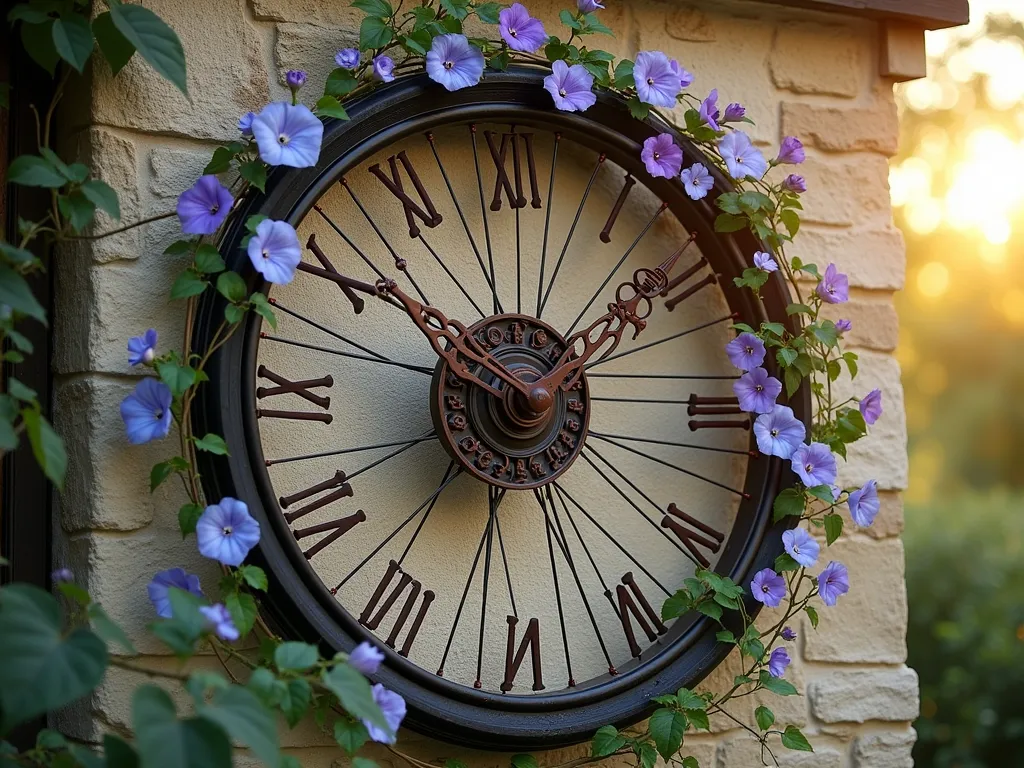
x=413 y=211
x=690 y=538
x=715 y=406
x=300 y=388
x=628 y=594
x=502 y=183
x=338 y=528
x=338 y=482
x=627 y=185
x=514 y=659
x=348 y=285
x=372 y=620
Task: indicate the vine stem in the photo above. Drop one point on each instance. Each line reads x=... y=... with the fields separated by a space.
x=125 y=228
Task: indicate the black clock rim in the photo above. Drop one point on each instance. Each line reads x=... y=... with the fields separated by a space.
x=296 y=603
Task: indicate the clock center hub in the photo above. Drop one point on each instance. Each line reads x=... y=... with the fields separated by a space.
x=512 y=441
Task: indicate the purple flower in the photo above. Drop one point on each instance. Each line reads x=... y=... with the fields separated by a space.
x=454 y=63
x=226 y=532
x=791 y=152
x=288 y=134
x=709 y=111
x=864 y=504
x=746 y=352
x=203 y=207
x=801 y=546
x=163 y=581
x=741 y=157
x=756 y=391
x=62 y=576
x=220 y=620
x=778 y=662
x=815 y=464
x=833 y=581
x=572 y=88
x=347 y=58
x=779 y=433
x=657 y=81
x=871 y=406
x=768 y=587
x=147 y=411
x=836 y=491
x=521 y=31
x=588 y=6
x=844 y=326
x=834 y=287
x=765 y=262
x=662 y=156
x=383 y=68
x=734 y=112
x=392 y=706
x=697 y=181
x=365 y=658
x=685 y=76
x=795 y=183
x=245 y=123
x=295 y=78
x=274 y=251
x=788 y=634
x=142 y=349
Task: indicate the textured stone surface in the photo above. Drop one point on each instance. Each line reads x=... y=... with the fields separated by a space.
x=833 y=129
x=690 y=24
x=847 y=190
x=815 y=58
x=865 y=694
x=310 y=48
x=113 y=159
x=875 y=322
x=873 y=258
x=884 y=750
x=743 y=751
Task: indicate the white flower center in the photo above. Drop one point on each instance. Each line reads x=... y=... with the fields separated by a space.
x=657 y=155
x=265 y=253
x=774 y=433
x=227 y=530
x=758 y=388
x=562 y=92
x=808 y=467
x=214 y=208
x=449 y=64
x=512 y=32
x=282 y=139
x=650 y=81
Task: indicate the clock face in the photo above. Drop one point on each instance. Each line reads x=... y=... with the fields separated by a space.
x=494 y=428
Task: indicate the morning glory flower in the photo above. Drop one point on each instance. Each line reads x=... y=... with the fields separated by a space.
x=836 y=491
x=778 y=662
x=142 y=349
x=746 y=352
x=383 y=68
x=833 y=581
x=791 y=152
x=801 y=546
x=834 y=287
x=697 y=181
x=147 y=411
x=741 y=157
x=454 y=63
x=588 y=6
x=347 y=58
x=274 y=250
x=815 y=464
x=788 y=634
x=734 y=112
x=288 y=134
x=795 y=183
x=226 y=532
x=779 y=433
x=657 y=82
x=519 y=30
x=245 y=123
x=662 y=156
x=685 y=76
x=765 y=262
x=843 y=326
x=203 y=207
x=392 y=706
x=709 y=112
x=768 y=587
x=62 y=576
x=572 y=88
x=871 y=406
x=757 y=391
x=365 y=658
x=864 y=504
x=220 y=620
x=295 y=78
x=163 y=581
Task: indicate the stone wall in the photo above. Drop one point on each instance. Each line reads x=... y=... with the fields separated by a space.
x=815 y=76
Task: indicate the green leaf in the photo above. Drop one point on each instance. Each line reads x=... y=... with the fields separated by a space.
x=153 y=39
x=221 y=160
x=38 y=41
x=187 y=284
x=725 y=636
x=676 y=605
x=833 y=528
x=47 y=446
x=727 y=222
x=786 y=356
x=458 y=9
x=340 y=82
x=792 y=738
x=160 y=473
x=499 y=61
x=255 y=172
x=374 y=33
x=212 y=444
x=113 y=45
x=647 y=753
x=262 y=308
x=27 y=13
x=709 y=608
x=208 y=259
x=765 y=718
x=776 y=685
x=785 y=563
x=102 y=196
x=789 y=502
x=231 y=286
x=353 y=691
x=41 y=668
x=19 y=391
x=592 y=26
x=799 y=309
x=792 y=221
x=623 y=77
x=689 y=700
x=295 y=656
x=352 y=735
x=851 y=363
x=637 y=109
x=118 y=753
x=569 y=20
x=254 y=576
x=329 y=106
x=77 y=209
x=699 y=719
x=812 y=615
x=524 y=761
x=488 y=12
x=177 y=377
x=793 y=379
x=243 y=610
x=606 y=741
x=822 y=492
x=246 y=721
x=72 y=37
x=690 y=762
x=667 y=727
x=380 y=8
x=34 y=171
x=164 y=741
x=188 y=516
x=107 y=629
x=253 y=222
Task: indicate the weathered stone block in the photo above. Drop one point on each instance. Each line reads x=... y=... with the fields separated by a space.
x=872 y=129
x=873 y=258
x=888 y=522
x=884 y=750
x=114 y=159
x=860 y=695
x=848 y=190
x=310 y=48
x=691 y=24
x=744 y=751
x=875 y=322
x=815 y=58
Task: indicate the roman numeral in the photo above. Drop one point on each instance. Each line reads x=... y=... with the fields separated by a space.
x=627 y=185
x=514 y=659
x=372 y=620
x=715 y=406
x=338 y=528
x=515 y=196
x=628 y=594
x=692 y=539
x=300 y=388
x=348 y=285
x=338 y=482
x=684 y=295
x=430 y=217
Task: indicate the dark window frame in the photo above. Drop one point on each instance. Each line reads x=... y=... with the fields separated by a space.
x=928 y=14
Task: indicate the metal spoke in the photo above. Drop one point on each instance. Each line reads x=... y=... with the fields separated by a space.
x=348 y=240
x=547 y=220
x=679 y=376
x=380 y=461
x=328 y=331
x=558 y=592
x=504 y=560
x=673 y=337
x=734 y=451
x=491 y=497
x=487 y=227
x=451 y=275
x=360 y=449
x=423 y=520
x=341 y=353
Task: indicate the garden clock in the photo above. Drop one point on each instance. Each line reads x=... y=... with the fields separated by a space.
x=494 y=428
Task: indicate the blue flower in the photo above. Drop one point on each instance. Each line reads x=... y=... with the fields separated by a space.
x=657 y=81
x=833 y=581
x=697 y=181
x=163 y=581
x=741 y=157
x=203 y=207
x=347 y=58
x=778 y=662
x=383 y=68
x=147 y=411
x=62 y=576
x=454 y=63
x=801 y=546
x=746 y=352
x=392 y=706
x=756 y=391
x=295 y=78
x=571 y=88
x=519 y=30
x=274 y=251
x=365 y=658
x=220 y=620
x=815 y=464
x=864 y=504
x=765 y=262
x=779 y=432
x=288 y=134
x=709 y=111
x=226 y=532
x=142 y=349
x=245 y=123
